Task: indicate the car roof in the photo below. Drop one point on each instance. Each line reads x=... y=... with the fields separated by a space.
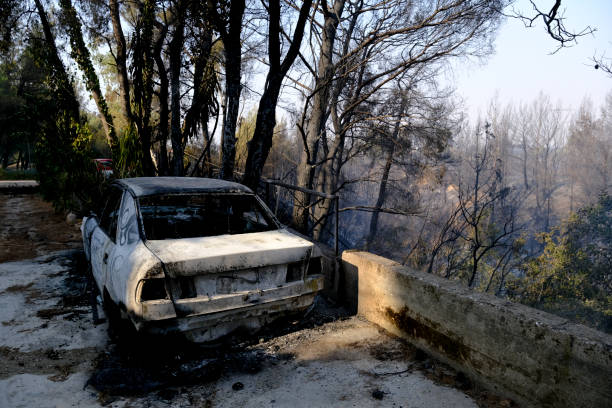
x=147 y=186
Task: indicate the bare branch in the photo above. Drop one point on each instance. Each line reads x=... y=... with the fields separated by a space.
x=554 y=21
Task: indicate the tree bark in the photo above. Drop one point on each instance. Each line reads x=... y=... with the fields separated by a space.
x=176 y=50
x=381 y=195
x=121 y=59
x=59 y=76
x=233 y=60
x=164 y=114
x=318 y=114
x=143 y=82
x=203 y=86
x=332 y=166
x=260 y=144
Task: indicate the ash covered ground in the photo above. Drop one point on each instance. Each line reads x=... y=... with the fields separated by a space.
x=54 y=356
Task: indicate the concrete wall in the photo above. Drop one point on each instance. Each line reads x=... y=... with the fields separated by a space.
x=531 y=356
x=18 y=186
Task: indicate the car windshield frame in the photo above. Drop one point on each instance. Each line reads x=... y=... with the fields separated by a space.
x=178 y=217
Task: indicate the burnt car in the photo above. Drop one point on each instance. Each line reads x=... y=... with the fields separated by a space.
x=198 y=256
x=104 y=167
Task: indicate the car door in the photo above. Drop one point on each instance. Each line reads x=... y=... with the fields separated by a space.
x=104 y=237
x=119 y=265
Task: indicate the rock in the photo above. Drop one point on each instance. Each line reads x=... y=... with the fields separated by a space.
x=378 y=394
x=71 y=218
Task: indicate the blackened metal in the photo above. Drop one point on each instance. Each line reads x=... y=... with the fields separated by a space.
x=145 y=186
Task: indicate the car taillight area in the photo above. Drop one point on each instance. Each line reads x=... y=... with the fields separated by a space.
x=153 y=289
x=314 y=266
x=295 y=271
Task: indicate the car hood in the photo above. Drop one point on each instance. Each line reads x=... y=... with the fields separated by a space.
x=196 y=256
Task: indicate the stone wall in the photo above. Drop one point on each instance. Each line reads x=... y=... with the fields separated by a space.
x=531 y=356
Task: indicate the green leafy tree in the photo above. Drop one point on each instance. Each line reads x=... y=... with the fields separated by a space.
x=63 y=150
x=573 y=275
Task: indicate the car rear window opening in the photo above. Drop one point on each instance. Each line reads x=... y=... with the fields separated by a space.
x=202 y=215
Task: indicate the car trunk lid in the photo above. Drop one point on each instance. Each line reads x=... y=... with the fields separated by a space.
x=226 y=253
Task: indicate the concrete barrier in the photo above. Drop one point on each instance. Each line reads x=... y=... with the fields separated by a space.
x=18 y=186
x=536 y=358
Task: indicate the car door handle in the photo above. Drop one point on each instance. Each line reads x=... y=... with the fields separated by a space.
x=105 y=259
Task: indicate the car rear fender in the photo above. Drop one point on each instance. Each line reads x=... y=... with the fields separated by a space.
x=88 y=226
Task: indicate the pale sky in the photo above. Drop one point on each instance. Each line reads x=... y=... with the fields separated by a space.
x=523 y=63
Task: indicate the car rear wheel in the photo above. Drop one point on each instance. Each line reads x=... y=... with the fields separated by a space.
x=119 y=328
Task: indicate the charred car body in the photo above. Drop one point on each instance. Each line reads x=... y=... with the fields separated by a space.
x=198 y=256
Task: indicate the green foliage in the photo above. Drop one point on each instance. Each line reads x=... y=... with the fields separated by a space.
x=244 y=134
x=130 y=158
x=63 y=153
x=81 y=55
x=573 y=276
x=67 y=175
x=22 y=103
x=99 y=141
x=17 y=174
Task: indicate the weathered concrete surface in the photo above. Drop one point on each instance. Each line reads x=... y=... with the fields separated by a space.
x=18 y=186
x=536 y=358
x=339 y=367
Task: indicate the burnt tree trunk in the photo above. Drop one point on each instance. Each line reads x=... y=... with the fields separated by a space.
x=121 y=59
x=175 y=51
x=332 y=166
x=230 y=35
x=318 y=115
x=143 y=83
x=164 y=114
x=381 y=197
x=59 y=77
x=260 y=144
x=198 y=112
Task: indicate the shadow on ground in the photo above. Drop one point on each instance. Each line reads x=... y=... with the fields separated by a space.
x=136 y=364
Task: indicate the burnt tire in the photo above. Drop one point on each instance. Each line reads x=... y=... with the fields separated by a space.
x=119 y=328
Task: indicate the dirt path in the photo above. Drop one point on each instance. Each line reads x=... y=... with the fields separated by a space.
x=29 y=228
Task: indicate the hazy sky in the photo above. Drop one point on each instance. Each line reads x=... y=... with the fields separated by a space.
x=522 y=65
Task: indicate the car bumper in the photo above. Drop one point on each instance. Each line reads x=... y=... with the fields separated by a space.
x=203 y=319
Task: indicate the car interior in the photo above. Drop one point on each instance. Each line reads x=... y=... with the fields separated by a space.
x=202 y=215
